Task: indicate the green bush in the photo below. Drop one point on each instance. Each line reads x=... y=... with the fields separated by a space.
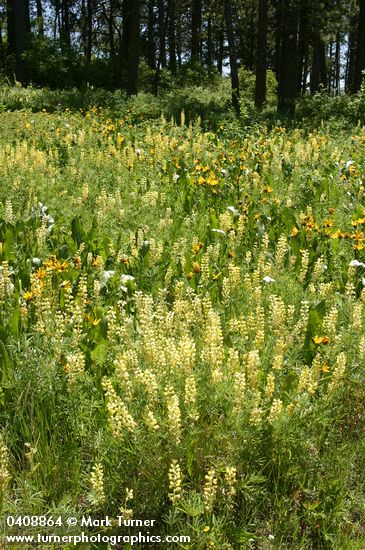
x=211 y=105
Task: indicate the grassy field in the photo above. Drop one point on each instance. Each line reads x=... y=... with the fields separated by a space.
x=182 y=328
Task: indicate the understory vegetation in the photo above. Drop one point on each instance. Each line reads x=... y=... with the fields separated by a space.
x=182 y=317
x=210 y=101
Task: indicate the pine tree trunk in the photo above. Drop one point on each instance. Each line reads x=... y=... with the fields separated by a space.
x=162 y=53
x=232 y=56
x=178 y=35
x=302 y=44
x=18 y=23
x=351 y=50
x=220 y=51
x=251 y=57
x=261 y=62
x=172 y=36
x=133 y=50
x=89 y=30
x=162 y=33
x=10 y=16
x=305 y=70
x=337 y=65
x=66 y=34
x=331 y=68
x=56 y=20
x=319 y=72
x=2 y=50
x=278 y=37
x=111 y=29
x=151 y=56
x=209 y=46
x=288 y=60
x=83 y=26
x=40 y=23
x=196 y=23
x=130 y=45
x=360 y=49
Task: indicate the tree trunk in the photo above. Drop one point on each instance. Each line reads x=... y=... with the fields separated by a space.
x=111 y=29
x=196 y=23
x=89 y=30
x=278 y=37
x=220 y=51
x=209 y=46
x=2 y=50
x=18 y=23
x=305 y=70
x=251 y=57
x=351 y=50
x=331 y=69
x=130 y=45
x=66 y=34
x=10 y=17
x=162 y=32
x=40 y=23
x=232 y=57
x=162 y=53
x=151 y=56
x=261 y=61
x=83 y=27
x=303 y=40
x=178 y=35
x=337 y=65
x=27 y=19
x=360 y=49
x=172 y=36
x=288 y=60
x=56 y=20
x=319 y=72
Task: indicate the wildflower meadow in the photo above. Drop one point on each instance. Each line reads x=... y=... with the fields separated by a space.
x=182 y=331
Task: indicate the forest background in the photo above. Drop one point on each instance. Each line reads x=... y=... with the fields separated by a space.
x=274 y=50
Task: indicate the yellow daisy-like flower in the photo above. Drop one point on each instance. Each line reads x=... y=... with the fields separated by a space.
x=359 y=221
x=212 y=180
x=40 y=274
x=294 y=232
x=196 y=247
x=321 y=340
x=338 y=234
x=267 y=189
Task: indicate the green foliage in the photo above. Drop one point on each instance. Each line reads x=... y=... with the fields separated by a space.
x=342 y=109
x=209 y=104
